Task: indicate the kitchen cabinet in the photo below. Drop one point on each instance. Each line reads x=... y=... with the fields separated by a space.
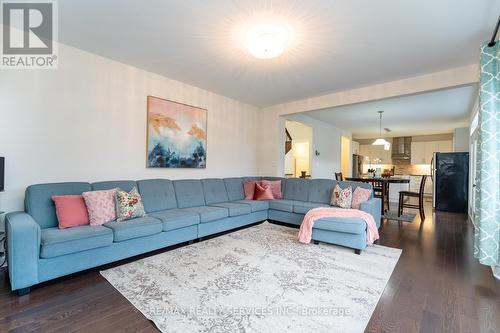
x=418 y=152
x=422 y=152
x=395 y=188
x=376 y=152
x=445 y=146
x=428 y=187
x=415 y=184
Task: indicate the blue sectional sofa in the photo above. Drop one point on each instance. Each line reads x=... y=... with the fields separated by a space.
x=177 y=211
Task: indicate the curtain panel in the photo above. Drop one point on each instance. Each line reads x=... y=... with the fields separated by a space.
x=487 y=206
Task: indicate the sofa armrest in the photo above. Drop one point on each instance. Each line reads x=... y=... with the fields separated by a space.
x=373 y=207
x=23 y=247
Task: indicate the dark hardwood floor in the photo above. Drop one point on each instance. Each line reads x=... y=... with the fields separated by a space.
x=437 y=286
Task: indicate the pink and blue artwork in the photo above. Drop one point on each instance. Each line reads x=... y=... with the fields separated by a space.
x=177 y=135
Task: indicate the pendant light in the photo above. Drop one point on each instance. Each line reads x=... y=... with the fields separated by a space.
x=381 y=141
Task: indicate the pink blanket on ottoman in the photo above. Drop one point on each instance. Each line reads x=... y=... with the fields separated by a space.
x=305 y=232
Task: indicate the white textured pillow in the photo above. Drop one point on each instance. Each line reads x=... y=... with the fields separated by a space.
x=341 y=197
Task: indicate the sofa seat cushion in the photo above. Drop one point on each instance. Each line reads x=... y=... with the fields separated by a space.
x=283 y=205
x=134 y=228
x=58 y=242
x=255 y=205
x=176 y=218
x=208 y=213
x=235 y=209
x=341 y=224
x=302 y=207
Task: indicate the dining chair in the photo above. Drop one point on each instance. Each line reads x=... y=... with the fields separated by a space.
x=419 y=195
x=338 y=176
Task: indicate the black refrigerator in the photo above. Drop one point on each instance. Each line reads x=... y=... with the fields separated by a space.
x=450 y=176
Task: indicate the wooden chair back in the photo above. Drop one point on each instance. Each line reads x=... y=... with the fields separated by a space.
x=422 y=187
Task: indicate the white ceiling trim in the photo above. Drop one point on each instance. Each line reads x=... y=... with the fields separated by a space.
x=455 y=77
x=435 y=112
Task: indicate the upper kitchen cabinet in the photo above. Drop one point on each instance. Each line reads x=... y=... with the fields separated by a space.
x=418 y=152
x=445 y=146
x=422 y=152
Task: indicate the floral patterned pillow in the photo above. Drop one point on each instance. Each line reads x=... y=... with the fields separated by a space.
x=341 y=197
x=128 y=205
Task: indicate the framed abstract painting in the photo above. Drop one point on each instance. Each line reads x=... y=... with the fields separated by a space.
x=176 y=135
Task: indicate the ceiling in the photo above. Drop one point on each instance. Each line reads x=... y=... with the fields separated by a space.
x=338 y=44
x=422 y=114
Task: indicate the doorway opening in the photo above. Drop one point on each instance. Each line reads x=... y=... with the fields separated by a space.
x=298 y=143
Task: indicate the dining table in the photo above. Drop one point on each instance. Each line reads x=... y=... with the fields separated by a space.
x=383 y=181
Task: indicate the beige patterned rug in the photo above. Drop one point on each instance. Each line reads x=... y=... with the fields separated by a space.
x=258 y=279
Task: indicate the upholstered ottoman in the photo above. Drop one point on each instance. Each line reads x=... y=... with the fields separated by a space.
x=349 y=232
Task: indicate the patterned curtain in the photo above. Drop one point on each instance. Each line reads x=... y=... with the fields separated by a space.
x=487 y=206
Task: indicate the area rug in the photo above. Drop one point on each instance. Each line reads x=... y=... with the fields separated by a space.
x=259 y=279
x=405 y=217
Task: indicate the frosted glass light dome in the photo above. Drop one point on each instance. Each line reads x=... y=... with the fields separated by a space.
x=267 y=41
x=381 y=142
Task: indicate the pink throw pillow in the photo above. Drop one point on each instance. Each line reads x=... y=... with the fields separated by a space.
x=70 y=210
x=263 y=192
x=249 y=189
x=275 y=187
x=360 y=195
x=100 y=206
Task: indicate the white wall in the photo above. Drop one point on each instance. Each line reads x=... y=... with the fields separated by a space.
x=461 y=139
x=326 y=140
x=86 y=121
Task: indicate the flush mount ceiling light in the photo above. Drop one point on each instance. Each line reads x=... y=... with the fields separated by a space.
x=267 y=41
x=381 y=141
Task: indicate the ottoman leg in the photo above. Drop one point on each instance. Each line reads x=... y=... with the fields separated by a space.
x=23 y=291
x=357 y=251
x=316 y=242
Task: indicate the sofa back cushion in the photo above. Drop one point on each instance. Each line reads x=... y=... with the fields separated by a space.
x=39 y=204
x=189 y=193
x=283 y=180
x=125 y=185
x=157 y=194
x=353 y=185
x=214 y=191
x=234 y=188
x=296 y=189
x=320 y=190
x=252 y=178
